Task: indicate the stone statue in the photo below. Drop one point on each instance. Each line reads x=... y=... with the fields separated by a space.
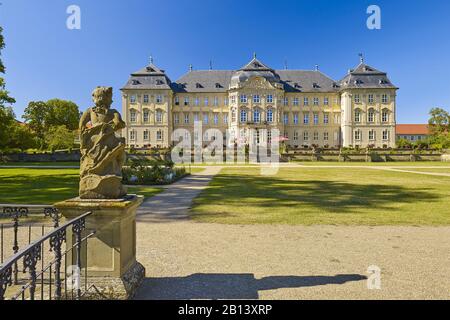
x=102 y=152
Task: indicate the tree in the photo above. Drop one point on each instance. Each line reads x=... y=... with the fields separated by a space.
x=36 y=115
x=41 y=116
x=21 y=137
x=62 y=112
x=6 y=113
x=439 y=121
x=60 y=137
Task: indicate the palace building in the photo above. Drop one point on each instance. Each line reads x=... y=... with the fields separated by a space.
x=306 y=106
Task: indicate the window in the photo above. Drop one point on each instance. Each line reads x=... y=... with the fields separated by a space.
x=159 y=116
x=269 y=115
x=316 y=101
x=206 y=101
x=316 y=136
x=225 y=118
x=371 y=115
x=286 y=101
x=186 y=101
x=357 y=115
x=336 y=118
x=195 y=116
x=269 y=136
x=306 y=118
x=243 y=115
x=357 y=135
x=186 y=118
x=146 y=115
x=177 y=100
x=295 y=102
x=176 y=118
x=285 y=118
x=132 y=115
x=325 y=136
x=371 y=135
x=385 y=135
x=197 y=101
x=216 y=101
x=325 y=118
x=357 y=99
x=385 y=116
x=159 y=135
x=305 y=101
x=269 y=98
x=370 y=98
x=256 y=98
x=295 y=135
x=146 y=136
x=205 y=118
x=316 y=118
x=159 y=98
x=133 y=98
x=384 y=98
x=132 y=135
x=295 y=118
x=305 y=136
x=256 y=115
x=243 y=98
x=225 y=101
x=325 y=101
x=216 y=119
x=145 y=98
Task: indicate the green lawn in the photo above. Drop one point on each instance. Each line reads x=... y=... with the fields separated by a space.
x=340 y=196
x=39 y=164
x=383 y=164
x=46 y=186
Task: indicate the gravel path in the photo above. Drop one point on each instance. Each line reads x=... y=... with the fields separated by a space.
x=189 y=260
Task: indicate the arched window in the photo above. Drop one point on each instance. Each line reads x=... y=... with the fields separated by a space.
x=357 y=115
x=371 y=115
x=243 y=115
x=132 y=115
x=159 y=116
x=269 y=115
x=256 y=115
x=385 y=115
x=145 y=116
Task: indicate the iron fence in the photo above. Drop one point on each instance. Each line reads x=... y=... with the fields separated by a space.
x=47 y=281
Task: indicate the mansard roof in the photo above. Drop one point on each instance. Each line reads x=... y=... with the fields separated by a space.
x=150 y=77
x=365 y=76
x=204 y=81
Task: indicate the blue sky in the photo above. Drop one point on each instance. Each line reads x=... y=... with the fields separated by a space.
x=45 y=60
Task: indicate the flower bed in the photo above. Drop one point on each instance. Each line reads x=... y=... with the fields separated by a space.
x=151 y=172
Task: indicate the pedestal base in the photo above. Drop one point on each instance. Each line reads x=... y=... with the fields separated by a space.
x=110 y=254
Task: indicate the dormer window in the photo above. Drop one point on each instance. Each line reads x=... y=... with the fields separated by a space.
x=149 y=69
x=335 y=85
x=358 y=81
x=367 y=69
x=315 y=85
x=135 y=82
x=257 y=65
x=159 y=82
x=383 y=81
x=297 y=85
x=218 y=85
x=198 y=85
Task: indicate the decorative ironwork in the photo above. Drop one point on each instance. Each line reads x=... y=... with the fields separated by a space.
x=29 y=263
x=54 y=214
x=15 y=211
x=33 y=253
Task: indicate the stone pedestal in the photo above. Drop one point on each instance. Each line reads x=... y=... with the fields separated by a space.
x=110 y=253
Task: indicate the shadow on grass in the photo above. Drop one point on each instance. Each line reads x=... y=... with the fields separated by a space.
x=235 y=192
x=230 y=286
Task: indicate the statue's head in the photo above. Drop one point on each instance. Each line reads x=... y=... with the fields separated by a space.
x=102 y=96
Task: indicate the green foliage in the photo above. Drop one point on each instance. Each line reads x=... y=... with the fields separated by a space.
x=22 y=137
x=142 y=171
x=439 y=121
x=62 y=112
x=36 y=116
x=404 y=144
x=59 y=137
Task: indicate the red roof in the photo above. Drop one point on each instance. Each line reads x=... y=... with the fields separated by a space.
x=412 y=129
